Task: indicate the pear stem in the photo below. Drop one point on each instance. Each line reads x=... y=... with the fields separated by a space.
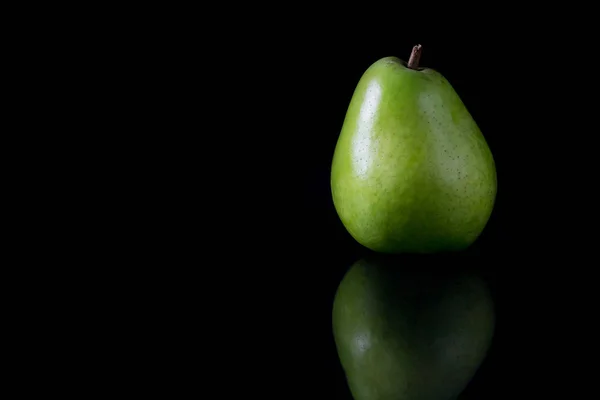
x=415 y=56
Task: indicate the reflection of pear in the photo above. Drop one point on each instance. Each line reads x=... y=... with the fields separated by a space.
x=411 y=171
x=410 y=333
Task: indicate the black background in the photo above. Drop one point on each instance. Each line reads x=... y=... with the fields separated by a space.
x=283 y=251
x=231 y=210
x=266 y=237
x=188 y=242
x=528 y=117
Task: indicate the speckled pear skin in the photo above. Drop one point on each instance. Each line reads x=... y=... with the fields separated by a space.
x=404 y=334
x=411 y=171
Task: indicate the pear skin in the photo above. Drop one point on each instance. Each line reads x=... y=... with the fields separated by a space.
x=411 y=171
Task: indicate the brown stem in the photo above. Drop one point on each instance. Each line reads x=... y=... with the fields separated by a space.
x=415 y=56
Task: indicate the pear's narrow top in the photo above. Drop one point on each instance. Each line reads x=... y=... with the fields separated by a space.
x=415 y=56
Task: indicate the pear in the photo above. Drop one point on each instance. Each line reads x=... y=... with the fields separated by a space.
x=411 y=171
x=408 y=333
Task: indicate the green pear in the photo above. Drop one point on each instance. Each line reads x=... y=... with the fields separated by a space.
x=411 y=171
x=408 y=334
